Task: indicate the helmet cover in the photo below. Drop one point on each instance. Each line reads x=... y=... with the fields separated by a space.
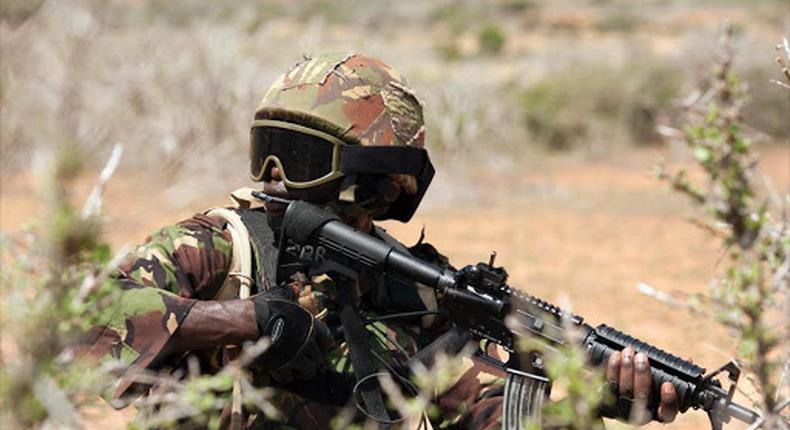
x=360 y=100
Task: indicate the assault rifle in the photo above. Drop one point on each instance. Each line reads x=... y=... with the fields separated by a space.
x=479 y=302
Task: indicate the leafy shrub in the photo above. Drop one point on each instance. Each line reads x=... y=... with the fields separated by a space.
x=599 y=102
x=749 y=296
x=549 y=114
x=449 y=49
x=53 y=275
x=459 y=16
x=491 y=38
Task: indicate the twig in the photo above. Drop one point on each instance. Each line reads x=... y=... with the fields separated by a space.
x=661 y=295
x=93 y=203
x=782 y=405
x=783 y=63
x=782 y=379
x=710 y=228
x=90 y=282
x=59 y=408
x=780 y=83
x=248 y=355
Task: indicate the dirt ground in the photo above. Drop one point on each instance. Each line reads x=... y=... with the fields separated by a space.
x=570 y=230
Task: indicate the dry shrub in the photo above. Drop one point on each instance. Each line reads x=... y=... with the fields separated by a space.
x=751 y=294
x=593 y=105
x=177 y=83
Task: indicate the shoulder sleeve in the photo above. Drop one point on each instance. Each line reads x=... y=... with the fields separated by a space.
x=157 y=285
x=191 y=258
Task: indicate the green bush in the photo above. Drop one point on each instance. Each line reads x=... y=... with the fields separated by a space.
x=750 y=291
x=54 y=275
x=491 y=38
x=449 y=49
x=549 y=115
x=460 y=16
x=599 y=102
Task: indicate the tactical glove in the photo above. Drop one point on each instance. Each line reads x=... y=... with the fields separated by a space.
x=298 y=340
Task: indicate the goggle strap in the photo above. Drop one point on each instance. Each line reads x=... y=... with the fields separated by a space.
x=382 y=160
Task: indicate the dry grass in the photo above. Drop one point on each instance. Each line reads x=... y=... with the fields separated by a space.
x=177 y=84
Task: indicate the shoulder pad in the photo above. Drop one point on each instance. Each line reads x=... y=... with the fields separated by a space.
x=243 y=199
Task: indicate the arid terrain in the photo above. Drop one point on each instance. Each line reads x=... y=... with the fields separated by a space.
x=541 y=116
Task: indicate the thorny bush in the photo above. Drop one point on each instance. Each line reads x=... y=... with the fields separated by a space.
x=750 y=297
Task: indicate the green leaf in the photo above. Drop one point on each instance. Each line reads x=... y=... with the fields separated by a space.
x=702 y=154
x=101 y=253
x=713 y=113
x=741 y=145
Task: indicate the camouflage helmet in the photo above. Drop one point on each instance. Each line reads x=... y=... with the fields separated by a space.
x=363 y=103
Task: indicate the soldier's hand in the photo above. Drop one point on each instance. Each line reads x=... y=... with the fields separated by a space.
x=629 y=373
x=298 y=341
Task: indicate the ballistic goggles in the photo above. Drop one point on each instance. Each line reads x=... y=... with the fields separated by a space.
x=307 y=158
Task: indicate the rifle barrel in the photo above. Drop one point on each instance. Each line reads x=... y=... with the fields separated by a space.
x=740 y=413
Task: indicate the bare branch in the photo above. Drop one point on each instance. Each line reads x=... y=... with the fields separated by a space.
x=93 y=203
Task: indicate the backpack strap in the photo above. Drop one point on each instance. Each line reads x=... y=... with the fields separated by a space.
x=237 y=285
x=239 y=281
x=252 y=238
x=249 y=230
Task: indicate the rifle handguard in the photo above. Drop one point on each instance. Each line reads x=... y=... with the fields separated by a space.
x=665 y=367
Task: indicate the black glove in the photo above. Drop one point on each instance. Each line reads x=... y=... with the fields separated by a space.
x=298 y=339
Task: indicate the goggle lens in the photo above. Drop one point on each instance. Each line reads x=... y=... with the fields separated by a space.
x=303 y=157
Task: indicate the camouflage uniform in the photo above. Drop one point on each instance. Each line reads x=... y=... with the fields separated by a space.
x=158 y=285
x=189 y=261
x=369 y=105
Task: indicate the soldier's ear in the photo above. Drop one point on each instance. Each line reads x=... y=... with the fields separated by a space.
x=408 y=183
x=384 y=188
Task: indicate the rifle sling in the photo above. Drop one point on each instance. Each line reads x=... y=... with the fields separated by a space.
x=263 y=243
x=361 y=358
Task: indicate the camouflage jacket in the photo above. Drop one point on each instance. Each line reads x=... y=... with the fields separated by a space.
x=163 y=278
x=158 y=283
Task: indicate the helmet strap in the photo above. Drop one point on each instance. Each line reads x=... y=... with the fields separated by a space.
x=348 y=189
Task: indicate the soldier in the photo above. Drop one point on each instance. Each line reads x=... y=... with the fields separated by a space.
x=345 y=132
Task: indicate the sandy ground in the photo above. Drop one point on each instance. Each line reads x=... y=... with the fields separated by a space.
x=569 y=230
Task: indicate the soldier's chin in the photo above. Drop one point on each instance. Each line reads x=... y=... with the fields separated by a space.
x=276 y=189
x=320 y=194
